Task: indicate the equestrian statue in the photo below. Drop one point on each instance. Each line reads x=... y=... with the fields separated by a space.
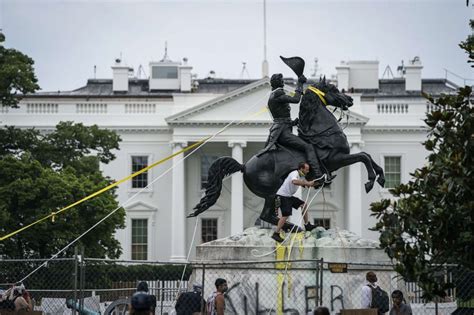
x=321 y=143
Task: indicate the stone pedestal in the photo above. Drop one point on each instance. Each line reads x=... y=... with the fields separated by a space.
x=332 y=246
x=260 y=284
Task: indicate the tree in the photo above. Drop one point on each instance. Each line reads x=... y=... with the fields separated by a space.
x=431 y=221
x=16 y=75
x=42 y=173
x=468 y=45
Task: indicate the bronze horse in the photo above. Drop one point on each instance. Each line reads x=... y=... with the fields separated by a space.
x=264 y=174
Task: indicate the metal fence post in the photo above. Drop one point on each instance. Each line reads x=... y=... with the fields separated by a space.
x=75 y=281
x=321 y=283
x=162 y=296
x=318 y=268
x=81 y=281
x=203 y=306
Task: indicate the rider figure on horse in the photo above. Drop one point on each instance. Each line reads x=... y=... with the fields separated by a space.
x=281 y=131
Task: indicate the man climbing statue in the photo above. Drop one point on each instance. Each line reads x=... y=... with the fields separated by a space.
x=287 y=201
x=281 y=131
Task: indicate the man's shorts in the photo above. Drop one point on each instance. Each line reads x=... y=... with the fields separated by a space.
x=288 y=203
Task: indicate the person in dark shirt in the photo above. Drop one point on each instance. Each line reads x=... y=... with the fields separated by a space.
x=142 y=303
x=399 y=306
x=191 y=303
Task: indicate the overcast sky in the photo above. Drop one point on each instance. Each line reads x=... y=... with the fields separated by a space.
x=67 y=38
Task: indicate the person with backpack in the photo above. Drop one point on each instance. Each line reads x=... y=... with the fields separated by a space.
x=215 y=301
x=399 y=306
x=142 y=303
x=16 y=299
x=373 y=296
x=190 y=303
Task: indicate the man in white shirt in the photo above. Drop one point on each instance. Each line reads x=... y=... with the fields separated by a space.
x=287 y=201
x=367 y=289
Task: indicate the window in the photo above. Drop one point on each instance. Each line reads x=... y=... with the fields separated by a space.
x=392 y=171
x=164 y=72
x=208 y=230
x=141 y=180
x=139 y=239
x=325 y=223
x=206 y=161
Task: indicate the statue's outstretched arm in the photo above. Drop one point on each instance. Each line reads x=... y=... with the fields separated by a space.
x=290 y=99
x=295 y=98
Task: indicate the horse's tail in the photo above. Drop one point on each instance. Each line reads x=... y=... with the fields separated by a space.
x=221 y=168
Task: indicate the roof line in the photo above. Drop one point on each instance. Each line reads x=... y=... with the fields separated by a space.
x=200 y=107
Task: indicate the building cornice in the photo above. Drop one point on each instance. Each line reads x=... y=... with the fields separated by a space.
x=166 y=97
x=133 y=129
x=398 y=129
x=265 y=123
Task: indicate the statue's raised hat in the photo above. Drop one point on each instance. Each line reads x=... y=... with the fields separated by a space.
x=295 y=63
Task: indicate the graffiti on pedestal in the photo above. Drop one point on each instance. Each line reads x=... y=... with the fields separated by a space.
x=245 y=298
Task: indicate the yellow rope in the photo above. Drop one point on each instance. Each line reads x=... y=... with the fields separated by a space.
x=53 y=214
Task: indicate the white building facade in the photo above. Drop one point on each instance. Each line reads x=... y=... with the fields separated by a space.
x=159 y=116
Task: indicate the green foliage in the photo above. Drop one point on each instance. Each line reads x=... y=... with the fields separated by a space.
x=59 y=273
x=468 y=45
x=40 y=174
x=67 y=146
x=16 y=75
x=431 y=222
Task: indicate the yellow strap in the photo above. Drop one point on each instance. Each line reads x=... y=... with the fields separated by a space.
x=280 y=255
x=319 y=93
x=53 y=214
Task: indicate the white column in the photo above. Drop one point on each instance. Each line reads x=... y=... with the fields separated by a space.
x=178 y=220
x=237 y=198
x=354 y=186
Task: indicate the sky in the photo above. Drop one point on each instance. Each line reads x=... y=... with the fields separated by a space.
x=67 y=38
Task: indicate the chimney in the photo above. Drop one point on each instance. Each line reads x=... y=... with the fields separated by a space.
x=343 y=77
x=413 y=75
x=358 y=74
x=185 y=76
x=120 y=77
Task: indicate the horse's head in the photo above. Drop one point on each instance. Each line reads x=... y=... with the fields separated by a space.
x=330 y=95
x=314 y=116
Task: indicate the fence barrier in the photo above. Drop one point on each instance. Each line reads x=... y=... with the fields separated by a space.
x=99 y=286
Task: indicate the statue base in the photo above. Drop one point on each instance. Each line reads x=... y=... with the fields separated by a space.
x=332 y=245
x=258 y=284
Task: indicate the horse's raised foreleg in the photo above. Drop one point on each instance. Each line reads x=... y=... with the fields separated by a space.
x=379 y=171
x=349 y=159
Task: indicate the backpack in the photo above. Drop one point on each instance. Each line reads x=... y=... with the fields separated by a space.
x=211 y=304
x=8 y=304
x=380 y=300
x=141 y=301
x=188 y=303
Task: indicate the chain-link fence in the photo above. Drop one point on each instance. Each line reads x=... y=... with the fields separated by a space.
x=346 y=290
x=97 y=286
